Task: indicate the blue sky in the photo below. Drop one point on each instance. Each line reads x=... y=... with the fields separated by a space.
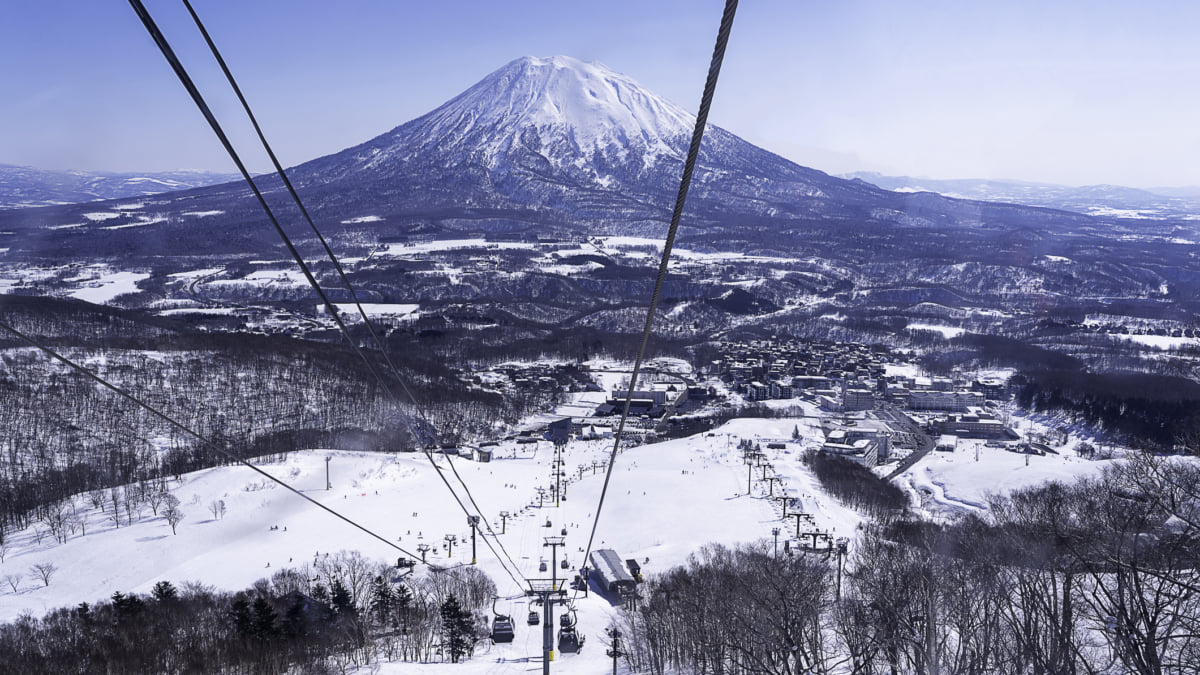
x=1068 y=92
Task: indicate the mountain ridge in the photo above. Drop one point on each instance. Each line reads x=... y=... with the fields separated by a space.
x=1099 y=199
x=31 y=187
x=546 y=146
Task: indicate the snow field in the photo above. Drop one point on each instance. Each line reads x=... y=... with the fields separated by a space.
x=664 y=501
x=105 y=287
x=949 y=483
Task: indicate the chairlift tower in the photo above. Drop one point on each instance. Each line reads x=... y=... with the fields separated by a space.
x=546 y=591
x=615 y=652
x=798 y=515
x=554 y=542
x=749 y=474
x=504 y=522
x=784 y=499
x=771 y=481
x=450 y=539
x=842 y=543
x=473 y=523
x=423 y=548
x=557 y=473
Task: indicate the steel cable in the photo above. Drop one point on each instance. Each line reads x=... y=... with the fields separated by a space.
x=710 y=85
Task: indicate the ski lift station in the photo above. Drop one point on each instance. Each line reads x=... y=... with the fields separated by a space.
x=608 y=570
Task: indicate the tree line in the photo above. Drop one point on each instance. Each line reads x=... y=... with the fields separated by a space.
x=1155 y=411
x=340 y=611
x=253 y=396
x=1095 y=577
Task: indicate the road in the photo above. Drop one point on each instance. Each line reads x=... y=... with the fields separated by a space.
x=925 y=442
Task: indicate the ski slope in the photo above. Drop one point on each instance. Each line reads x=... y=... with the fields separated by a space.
x=665 y=500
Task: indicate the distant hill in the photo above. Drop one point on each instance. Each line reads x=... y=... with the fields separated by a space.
x=25 y=186
x=1095 y=200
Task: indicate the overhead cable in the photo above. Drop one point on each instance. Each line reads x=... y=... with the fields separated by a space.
x=379 y=344
x=198 y=99
x=710 y=85
x=204 y=440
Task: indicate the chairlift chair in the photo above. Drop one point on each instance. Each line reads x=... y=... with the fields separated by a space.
x=564 y=564
x=542 y=566
x=534 y=617
x=569 y=641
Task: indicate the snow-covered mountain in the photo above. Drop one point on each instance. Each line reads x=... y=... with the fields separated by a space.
x=572 y=137
x=26 y=186
x=563 y=111
x=545 y=146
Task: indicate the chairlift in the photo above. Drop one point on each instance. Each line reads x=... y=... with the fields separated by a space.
x=534 y=618
x=565 y=565
x=542 y=566
x=564 y=532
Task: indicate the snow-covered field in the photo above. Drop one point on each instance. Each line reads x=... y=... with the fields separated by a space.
x=664 y=501
x=108 y=286
x=947 y=483
x=1161 y=341
x=374 y=309
x=946 y=331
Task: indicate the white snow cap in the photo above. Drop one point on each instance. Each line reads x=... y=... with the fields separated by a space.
x=584 y=105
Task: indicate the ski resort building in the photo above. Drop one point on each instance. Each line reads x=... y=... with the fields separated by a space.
x=867 y=441
x=973 y=425
x=952 y=401
x=862 y=450
x=609 y=573
x=858 y=399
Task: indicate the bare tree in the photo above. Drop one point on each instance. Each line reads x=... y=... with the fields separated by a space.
x=217 y=508
x=155 y=496
x=78 y=522
x=13 y=581
x=55 y=517
x=1142 y=585
x=115 y=497
x=45 y=571
x=172 y=512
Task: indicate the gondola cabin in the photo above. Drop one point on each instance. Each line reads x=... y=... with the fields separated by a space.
x=502 y=629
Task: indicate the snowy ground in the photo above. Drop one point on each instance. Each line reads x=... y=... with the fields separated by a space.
x=949 y=483
x=105 y=287
x=946 y=331
x=665 y=500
